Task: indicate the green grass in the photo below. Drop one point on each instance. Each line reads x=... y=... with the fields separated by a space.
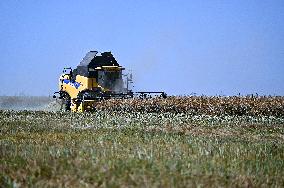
x=45 y=149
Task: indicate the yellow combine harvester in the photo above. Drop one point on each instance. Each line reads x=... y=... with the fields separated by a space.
x=97 y=77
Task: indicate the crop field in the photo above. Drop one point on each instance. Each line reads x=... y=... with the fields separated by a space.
x=177 y=142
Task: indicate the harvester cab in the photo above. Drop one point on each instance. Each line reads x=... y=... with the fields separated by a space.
x=97 y=77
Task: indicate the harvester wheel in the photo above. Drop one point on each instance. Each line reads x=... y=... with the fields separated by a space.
x=65 y=102
x=67 y=105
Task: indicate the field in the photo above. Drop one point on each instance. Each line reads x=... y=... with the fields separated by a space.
x=180 y=142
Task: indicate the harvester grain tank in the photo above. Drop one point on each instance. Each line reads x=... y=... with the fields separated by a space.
x=97 y=77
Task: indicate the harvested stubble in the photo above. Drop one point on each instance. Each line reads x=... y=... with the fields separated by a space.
x=120 y=149
x=197 y=105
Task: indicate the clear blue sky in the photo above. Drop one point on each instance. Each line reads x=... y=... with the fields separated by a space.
x=180 y=46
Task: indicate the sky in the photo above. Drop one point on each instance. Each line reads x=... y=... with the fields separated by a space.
x=182 y=47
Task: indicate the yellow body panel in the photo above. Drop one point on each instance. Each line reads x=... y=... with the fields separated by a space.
x=110 y=68
x=81 y=83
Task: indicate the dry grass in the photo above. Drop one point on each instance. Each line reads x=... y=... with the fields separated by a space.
x=138 y=149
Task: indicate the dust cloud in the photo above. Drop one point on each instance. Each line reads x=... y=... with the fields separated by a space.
x=33 y=103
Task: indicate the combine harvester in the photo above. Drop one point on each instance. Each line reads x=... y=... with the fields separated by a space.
x=97 y=77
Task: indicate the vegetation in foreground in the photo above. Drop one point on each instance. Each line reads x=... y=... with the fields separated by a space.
x=114 y=149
